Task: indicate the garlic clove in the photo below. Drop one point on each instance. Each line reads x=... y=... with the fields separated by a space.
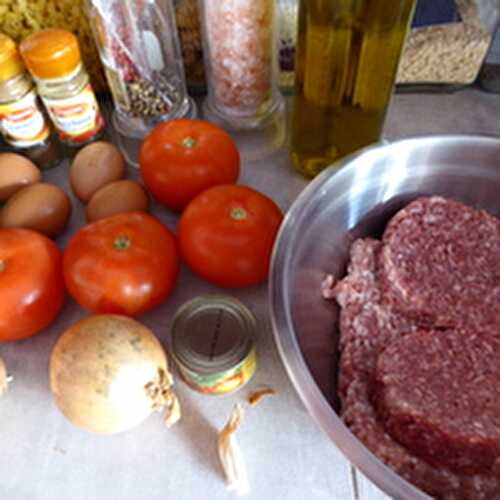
x=230 y=454
x=4 y=378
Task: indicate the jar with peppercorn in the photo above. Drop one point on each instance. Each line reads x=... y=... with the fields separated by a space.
x=241 y=67
x=53 y=58
x=139 y=47
x=22 y=122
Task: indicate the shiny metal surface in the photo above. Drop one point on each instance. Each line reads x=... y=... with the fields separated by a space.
x=335 y=209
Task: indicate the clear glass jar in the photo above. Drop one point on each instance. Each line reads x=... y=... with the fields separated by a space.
x=53 y=59
x=22 y=121
x=288 y=15
x=139 y=47
x=241 y=66
x=188 y=25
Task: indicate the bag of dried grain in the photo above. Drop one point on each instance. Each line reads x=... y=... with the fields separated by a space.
x=447 y=45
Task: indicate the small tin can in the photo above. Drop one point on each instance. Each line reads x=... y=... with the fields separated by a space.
x=213 y=344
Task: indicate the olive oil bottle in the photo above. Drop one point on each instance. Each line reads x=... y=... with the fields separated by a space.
x=347 y=57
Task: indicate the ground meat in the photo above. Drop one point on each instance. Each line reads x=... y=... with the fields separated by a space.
x=360 y=416
x=390 y=291
x=440 y=263
x=365 y=323
x=438 y=393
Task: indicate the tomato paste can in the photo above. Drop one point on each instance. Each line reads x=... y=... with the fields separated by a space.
x=213 y=344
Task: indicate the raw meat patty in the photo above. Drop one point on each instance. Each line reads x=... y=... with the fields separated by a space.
x=438 y=394
x=440 y=263
x=360 y=416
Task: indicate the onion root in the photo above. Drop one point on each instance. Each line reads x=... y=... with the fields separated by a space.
x=163 y=396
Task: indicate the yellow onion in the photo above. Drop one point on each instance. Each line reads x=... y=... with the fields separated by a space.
x=108 y=373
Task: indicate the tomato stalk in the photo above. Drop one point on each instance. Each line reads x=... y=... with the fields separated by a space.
x=189 y=142
x=238 y=213
x=122 y=243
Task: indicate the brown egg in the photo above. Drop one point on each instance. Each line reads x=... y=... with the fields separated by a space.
x=116 y=198
x=95 y=166
x=16 y=171
x=43 y=207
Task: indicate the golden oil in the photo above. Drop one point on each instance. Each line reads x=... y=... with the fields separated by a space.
x=347 y=57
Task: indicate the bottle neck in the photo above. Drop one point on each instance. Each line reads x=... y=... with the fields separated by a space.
x=15 y=88
x=65 y=86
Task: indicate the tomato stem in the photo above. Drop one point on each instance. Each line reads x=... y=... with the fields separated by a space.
x=3 y=265
x=238 y=213
x=122 y=243
x=189 y=142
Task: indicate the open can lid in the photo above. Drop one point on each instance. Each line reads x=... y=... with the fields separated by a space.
x=212 y=334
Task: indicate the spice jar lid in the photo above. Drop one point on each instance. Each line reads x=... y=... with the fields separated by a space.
x=212 y=333
x=11 y=63
x=51 y=53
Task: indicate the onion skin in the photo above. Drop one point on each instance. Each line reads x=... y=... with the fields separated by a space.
x=102 y=370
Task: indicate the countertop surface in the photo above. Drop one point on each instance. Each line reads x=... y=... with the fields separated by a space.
x=288 y=457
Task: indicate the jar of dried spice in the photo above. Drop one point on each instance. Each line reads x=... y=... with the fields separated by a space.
x=139 y=47
x=22 y=122
x=241 y=66
x=53 y=59
x=188 y=25
x=288 y=16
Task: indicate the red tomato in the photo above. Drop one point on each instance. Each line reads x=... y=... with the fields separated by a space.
x=227 y=234
x=124 y=264
x=181 y=158
x=31 y=283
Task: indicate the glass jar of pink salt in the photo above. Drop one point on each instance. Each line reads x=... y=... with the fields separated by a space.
x=241 y=65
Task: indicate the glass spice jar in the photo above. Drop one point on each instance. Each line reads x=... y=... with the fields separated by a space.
x=188 y=25
x=241 y=66
x=53 y=59
x=288 y=15
x=22 y=122
x=139 y=47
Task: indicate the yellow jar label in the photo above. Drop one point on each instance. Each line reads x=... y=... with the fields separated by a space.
x=222 y=382
x=76 y=118
x=22 y=122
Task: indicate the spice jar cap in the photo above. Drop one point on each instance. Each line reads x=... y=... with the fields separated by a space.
x=11 y=63
x=51 y=53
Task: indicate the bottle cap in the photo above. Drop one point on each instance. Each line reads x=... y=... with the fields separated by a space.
x=11 y=63
x=51 y=53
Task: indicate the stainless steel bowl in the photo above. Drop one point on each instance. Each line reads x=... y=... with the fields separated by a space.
x=336 y=208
